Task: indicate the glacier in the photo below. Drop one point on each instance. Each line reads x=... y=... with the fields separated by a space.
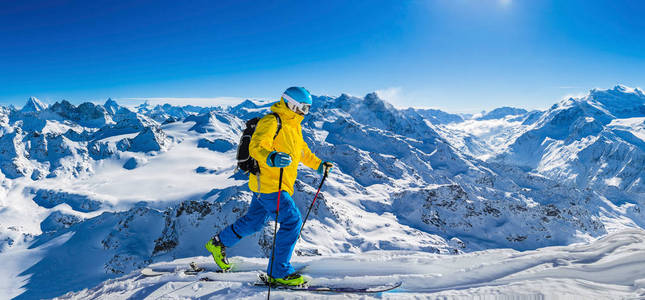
x=95 y=192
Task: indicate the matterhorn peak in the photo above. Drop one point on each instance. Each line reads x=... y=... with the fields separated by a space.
x=111 y=106
x=109 y=101
x=33 y=105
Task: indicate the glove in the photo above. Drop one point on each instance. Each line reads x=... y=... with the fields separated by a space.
x=278 y=159
x=325 y=167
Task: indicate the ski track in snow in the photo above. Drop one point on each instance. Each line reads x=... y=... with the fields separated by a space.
x=612 y=267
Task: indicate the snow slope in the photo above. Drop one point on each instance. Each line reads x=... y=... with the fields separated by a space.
x=609 y=268
x=95 y=192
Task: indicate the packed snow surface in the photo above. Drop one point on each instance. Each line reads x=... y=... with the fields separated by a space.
x=612 y=267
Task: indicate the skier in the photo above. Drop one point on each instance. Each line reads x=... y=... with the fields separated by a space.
x=273 y=152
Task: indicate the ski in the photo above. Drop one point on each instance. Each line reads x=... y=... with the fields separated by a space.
x=334 y=289
x=330 y=289
x=194 y=269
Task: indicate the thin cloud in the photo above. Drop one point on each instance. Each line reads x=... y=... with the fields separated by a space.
x=392 y=95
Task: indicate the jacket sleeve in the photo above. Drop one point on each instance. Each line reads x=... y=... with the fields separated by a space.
x=308 y=158
x=262 y=140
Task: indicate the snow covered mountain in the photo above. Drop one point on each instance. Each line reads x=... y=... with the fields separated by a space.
x=33 y=105
x=593 y=142
x=103 y=190
x=503 y=112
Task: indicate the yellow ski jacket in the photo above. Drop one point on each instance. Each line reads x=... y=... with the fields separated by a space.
x=289 y=140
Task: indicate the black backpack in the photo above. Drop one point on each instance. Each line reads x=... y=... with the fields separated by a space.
x=245 y=162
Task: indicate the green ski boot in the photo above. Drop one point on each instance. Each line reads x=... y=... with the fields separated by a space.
x=218 y=250
x=291 y=280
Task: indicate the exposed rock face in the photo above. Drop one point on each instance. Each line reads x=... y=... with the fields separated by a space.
x=59 y=221
x=86 y=114
x=51 y=198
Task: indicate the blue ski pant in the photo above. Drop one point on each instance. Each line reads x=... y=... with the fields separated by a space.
x=261 y=209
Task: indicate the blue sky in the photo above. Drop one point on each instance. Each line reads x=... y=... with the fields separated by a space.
x=458 y=55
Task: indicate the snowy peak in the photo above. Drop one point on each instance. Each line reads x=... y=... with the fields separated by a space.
x=375 y=103
x=600 y=107
x=621 y=101
x=164 y=113
x=167 y=113
x=374 y=111
x=86 y=114
x=250 y=109
x=502 y=112
x=221 y=124
x=590 y=142
x=150 y=139
x=145 y=106
x=64 y=140
x=344 y=102
x=33 y=105
x=625 y=89
x=111 y=106
x=247 y=104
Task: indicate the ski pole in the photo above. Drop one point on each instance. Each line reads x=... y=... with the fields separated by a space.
x=275 y=233
x=312 y=204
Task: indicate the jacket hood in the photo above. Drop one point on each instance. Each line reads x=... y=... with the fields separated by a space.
x=281 y=108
